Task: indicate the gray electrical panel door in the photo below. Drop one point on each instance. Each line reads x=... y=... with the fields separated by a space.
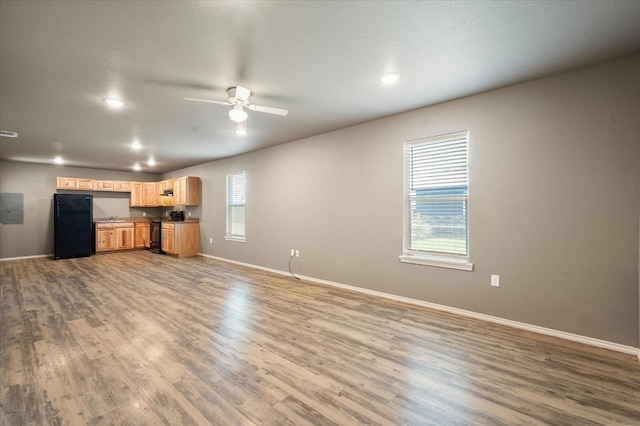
x=11 y=208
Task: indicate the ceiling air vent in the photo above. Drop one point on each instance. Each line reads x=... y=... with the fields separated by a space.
x=8 y=134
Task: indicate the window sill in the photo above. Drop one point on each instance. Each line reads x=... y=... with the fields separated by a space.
x=236 y=239
x=440 y=262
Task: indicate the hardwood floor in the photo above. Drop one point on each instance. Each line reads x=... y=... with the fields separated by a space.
x=137 y=338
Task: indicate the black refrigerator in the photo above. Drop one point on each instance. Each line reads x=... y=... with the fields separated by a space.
x=72 y=225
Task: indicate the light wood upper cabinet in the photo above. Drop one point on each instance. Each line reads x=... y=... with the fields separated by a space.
x=74 y=183
x=135 y=198
x=165 y=185
x=112 y=185
x=186 y=191
x=103 y=185
x=147 y=194
x=66 y=183
x=150 y=197
x=122 y=185
x=85 y=184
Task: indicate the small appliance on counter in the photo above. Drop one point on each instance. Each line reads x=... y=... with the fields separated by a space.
x=72 y=225
x=177 y=215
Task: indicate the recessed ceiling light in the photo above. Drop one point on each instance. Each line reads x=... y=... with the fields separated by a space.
x=136 y=145
x=151 y=162
x=58 y=160
x=390 y=78
x=136 y=167
x=114 y=103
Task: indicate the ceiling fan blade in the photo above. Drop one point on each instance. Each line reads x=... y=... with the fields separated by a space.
x=268 y=110
x=207 y=101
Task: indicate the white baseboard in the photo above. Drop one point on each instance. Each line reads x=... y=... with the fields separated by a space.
x=5 y=259
x=630 y=350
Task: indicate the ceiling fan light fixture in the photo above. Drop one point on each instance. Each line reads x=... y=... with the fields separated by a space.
x=238 y=114
x=240 y=128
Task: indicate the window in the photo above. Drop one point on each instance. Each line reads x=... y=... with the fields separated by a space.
x=437 y=201
x=236 y=185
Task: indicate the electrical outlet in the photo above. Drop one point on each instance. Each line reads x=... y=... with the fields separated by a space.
x=297 y=253
x=495 y=280
x=293 y=252
x=144 y=214
x=210 y=240
x=189 y=214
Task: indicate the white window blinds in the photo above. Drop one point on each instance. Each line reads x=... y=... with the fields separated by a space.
x=236 y=186
x=437 y=195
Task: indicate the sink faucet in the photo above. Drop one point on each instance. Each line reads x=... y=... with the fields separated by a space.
x=113 y=217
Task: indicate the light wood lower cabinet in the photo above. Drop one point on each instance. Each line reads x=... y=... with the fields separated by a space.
x=180 y=238
x=106 y=239
x=141 y=236
x=114 y=236
x=125 y=238
x=168 y=238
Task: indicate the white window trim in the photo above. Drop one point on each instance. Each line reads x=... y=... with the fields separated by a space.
x=440 y=260
x=233 y=237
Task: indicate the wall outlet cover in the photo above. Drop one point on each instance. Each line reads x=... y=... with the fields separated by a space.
x=495 y=280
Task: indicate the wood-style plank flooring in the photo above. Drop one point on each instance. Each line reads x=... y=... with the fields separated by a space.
x=138 y=338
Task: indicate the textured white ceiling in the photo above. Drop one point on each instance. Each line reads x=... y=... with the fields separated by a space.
x=319 y=60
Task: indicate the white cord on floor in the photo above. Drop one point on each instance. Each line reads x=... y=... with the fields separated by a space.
x=290 y=271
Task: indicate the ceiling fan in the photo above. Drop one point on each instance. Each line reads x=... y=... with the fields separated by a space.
x=239 y=99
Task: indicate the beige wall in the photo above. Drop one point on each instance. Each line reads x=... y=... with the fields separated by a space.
x=554 y=204
x=38 y=184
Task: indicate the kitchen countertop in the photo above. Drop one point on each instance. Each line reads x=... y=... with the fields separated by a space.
x=144 y=219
